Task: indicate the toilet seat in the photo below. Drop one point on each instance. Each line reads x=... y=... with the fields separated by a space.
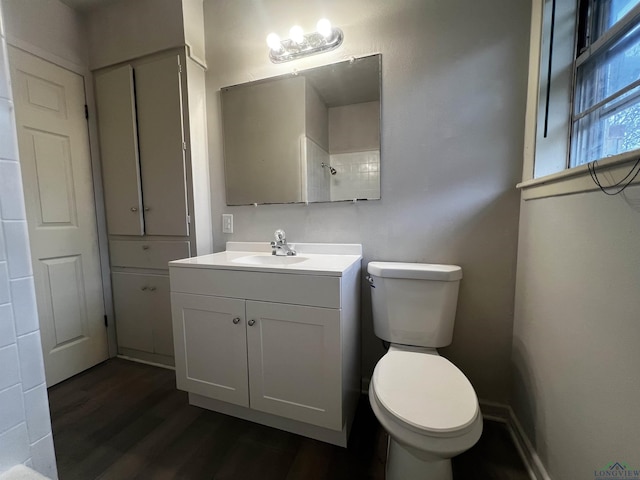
x=427 y=393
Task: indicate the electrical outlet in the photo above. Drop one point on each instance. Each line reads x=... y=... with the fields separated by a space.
x=227 y=223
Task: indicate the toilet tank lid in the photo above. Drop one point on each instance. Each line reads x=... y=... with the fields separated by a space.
x=418 y=271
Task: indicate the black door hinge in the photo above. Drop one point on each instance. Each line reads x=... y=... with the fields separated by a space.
x=86 y=112
x=106 y=322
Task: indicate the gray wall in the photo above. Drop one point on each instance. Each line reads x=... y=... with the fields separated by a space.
x=124 y=29
x=576 y=333
x=354 y=128
x=49 y=28
x=453 y=101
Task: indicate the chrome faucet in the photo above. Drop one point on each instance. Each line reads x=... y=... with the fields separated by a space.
x=280 y=246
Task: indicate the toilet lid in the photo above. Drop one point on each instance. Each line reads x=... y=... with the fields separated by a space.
x=425 y=391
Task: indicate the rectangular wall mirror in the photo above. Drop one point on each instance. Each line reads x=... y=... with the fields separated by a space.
x=312 y=136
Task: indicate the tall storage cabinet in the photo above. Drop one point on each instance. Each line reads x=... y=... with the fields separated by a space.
x=155 y=174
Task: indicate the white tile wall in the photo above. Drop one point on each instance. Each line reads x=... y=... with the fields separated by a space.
x=7 y=329
x=5 y=285
x=31 y=366
x=42 y=458
x=10 y=367
x=11 y=187
x=36 y=406
x=12 y=412
x=358 y=175
x=7 y=130
x=14 y=447
x=25 y=426
x=17 y=247
x=24 y=305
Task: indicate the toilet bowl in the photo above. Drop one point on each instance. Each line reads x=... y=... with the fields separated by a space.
x=428 y=408
x=425 y=403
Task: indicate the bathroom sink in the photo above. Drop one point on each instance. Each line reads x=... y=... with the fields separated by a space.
x=312 y=258
x=269 y=260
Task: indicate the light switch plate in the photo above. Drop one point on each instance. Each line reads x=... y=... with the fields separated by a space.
x=227 y=223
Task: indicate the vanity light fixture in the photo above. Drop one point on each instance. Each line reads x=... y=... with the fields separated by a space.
x=326 y=38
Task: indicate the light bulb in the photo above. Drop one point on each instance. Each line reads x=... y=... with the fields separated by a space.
x=273 y=40
x=297 y=34
x=324 y=28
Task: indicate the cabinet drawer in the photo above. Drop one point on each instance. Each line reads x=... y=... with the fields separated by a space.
x=311 y=290
x=152 y=254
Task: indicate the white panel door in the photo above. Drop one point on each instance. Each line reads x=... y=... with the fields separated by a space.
x=57 y=178
x=211 y=346
x=295 y=362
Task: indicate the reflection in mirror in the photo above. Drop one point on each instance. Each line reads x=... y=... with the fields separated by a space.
x=313 y=136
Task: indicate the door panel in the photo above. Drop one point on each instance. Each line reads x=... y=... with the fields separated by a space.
x=290 y=346
x=211 y=350
x=65 y=294
x=159 y=108
x=56 y=203
x=119 y=151
x=58 y=186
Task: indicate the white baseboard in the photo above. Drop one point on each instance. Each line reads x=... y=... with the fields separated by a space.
x=146 y=362
x=498 y=412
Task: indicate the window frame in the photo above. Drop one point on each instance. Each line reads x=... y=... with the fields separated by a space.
x=589 y=22
x=560 y=178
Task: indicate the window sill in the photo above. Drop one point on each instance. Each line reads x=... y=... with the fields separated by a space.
x=577 y=180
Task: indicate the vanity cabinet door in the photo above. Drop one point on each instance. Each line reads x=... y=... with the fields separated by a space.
x=211 y=346
x=295 y=362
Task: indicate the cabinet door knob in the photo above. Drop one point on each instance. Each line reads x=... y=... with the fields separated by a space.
x=134 y=209
x=145 y=247
x=251 y=322
x=236 y=320
x=146 y=209
x=143 y=288
x=153 y=289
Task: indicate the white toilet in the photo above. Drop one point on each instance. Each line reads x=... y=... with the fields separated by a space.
x=426 y=404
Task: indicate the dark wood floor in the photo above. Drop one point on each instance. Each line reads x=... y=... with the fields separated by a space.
x=124 y=420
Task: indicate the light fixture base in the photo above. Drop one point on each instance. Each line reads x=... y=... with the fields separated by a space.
x=312 y=44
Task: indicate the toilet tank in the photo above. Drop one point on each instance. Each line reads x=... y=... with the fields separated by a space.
x=414 y=303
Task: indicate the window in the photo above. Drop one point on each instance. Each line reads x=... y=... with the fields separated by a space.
x=606 y=100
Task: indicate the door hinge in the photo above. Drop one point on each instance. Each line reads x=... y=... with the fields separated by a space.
x=86 y=112
x=188 y=219
x=184 y=146
x=179 y=68
x=106 y=322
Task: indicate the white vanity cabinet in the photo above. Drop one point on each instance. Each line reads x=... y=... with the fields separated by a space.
x=279 y=346
x=277 y=358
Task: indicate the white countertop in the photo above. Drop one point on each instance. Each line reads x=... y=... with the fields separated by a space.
x=319 y=259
